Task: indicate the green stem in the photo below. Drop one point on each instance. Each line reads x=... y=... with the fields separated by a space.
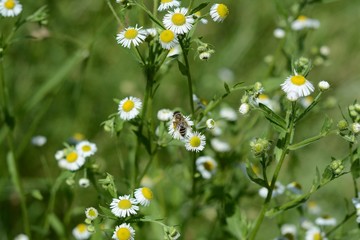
x=347 y=217
x=114 y=13
x=188 y=74
x=351 y=154
x=284 y=152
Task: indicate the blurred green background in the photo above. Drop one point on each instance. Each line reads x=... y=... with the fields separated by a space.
x=102 y=70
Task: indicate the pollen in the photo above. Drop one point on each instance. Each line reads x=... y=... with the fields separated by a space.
x=131 y=33
x=178 y=19
x=147 y=193
x=9 y=4
x=71 y=157
x=222 y=10
x=209 y=166
x=124 y=204
x=167 y=36
x=195 y=141
x=123 y=234
x=298 y=80
x=81 y=227
x=128 y=105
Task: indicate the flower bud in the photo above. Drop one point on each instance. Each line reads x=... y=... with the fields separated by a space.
x=84 y=182
x=210 y=123
x=324 y=85
x=337 y=167
x=244 y=108
x=259 y=146
x=292 y=96
x=355 y=127
x=342 y=125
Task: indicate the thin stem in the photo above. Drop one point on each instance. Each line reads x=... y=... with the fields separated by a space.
x=188 y=75
x=347 y=217
x=114 y=13
x=288 y=137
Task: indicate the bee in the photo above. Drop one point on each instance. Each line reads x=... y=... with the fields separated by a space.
x=180 y=123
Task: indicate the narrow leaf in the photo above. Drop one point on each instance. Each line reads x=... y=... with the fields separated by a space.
x=198 y=8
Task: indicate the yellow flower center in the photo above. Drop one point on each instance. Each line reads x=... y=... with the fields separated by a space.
x=78 y=136
x=222 y=10
x=166 y=1
x=178 y=19
x=131 y=33
x=167 y=36
x=123 y=234
x=92 y=213
x=317 y=236
x=147 y=193
x=298 y=80
x=81 y=227
x=263 y=97
x=71 y=157
x=86 y=148
x=209 y=166
x=302 y=18
x=195 y=141
x=124 y=204
x=128 y=105
x=9 y=4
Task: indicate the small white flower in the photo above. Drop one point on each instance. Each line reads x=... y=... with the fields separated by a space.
x=124 y=232
x=177 y=21
x=21 y=236
x=278 y=190
x=325 y=221
x=195 y=142
x=264 y=99
x=91 y=213
x=313 y=207
x=325 y=51
x=175 y=51
x=168 y=39
x=165 y=115
x=279 y=33
x=324 y=85
x=124 y=206
x=244 y=108
x=72 y=161
x=228 y=114
x=10 y=8
x=206 y=166
x=294 y=187
x=219 y=145
x=166 y=4
x=355 y=127
x=303 y=22
x=306 y=101
x=129 y=108
x=84 y=182
x=80 y=232
x=38 y=141
x=315 y=234
x=298 y=84
x=219 y=12
x=210 y=123
x=131 y=35
x=292 y=96
x=144 y=196
x=86 y=148
x=289 y=231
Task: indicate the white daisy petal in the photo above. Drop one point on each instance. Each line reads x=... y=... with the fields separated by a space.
x=144 y=196
x=195 y=142
x=297 y=84
x=166 y=4
x=124 y=206
x=131 y=35
x=219 y=12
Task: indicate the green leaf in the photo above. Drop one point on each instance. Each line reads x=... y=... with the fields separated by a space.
x=106 y=211
x=291 y=204
x=253 y=177
x=182 y=68
x=57 y=225
x=276 y=121
x=326 y=127
x=355 y=168
x=199 y=7
x=227 y=89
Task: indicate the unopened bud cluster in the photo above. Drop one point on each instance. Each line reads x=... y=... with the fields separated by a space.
x=302 y=66
x=337 y=167
x=204 y=51
x=354 y=112
x=259 y=146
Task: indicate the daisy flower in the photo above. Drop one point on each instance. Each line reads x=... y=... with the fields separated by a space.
x=124 y=206
x=279 y=33
x=303 y=22
x=294 y=187
x=195 y=142
x=289 y=231
x=178 y=126
x=313 y=207
x=166 y=4
x=315 y=234
x=210 y=123
x=129 y=108
x=38 y=141
x=228 y=114
x=278 y=190
x=131 y=35
x=325 y=220
x=206 y=166
x=10 y=8
x=177 y=21
x=143 y=196
x=21 y=236
x=86 y=148
x=219 y=12
x=219 y=145
x=80 y=232
x=91 y=213
x=124 y=232
x=72 y=161
x=298 y=84
x=168 y=39
x=84 y=182
x=165 y=115
x=306 y=101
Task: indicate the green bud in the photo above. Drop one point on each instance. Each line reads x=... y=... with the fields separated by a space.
x=88 y=221
x=337 y=167
x=351 y=108
x=91 y=228
x=259 y=146
x=342 y=125
x=357 y=107
x=353 y=114
x=202 y=48
x=258 y=86
x=70 y=181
